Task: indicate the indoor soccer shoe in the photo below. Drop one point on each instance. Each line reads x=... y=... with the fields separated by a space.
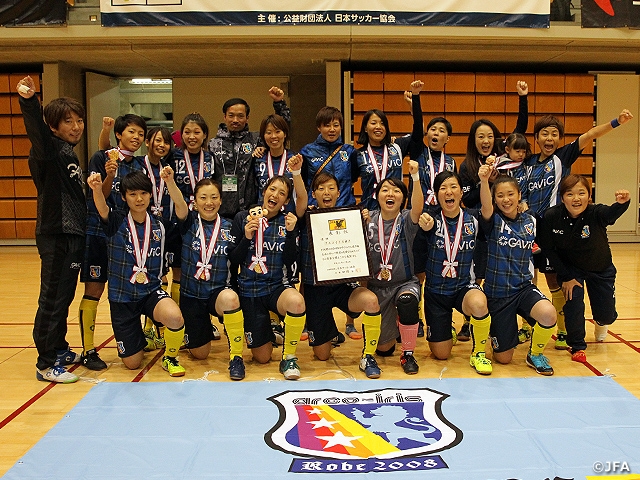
x=278 y=333
x=524 y=334
x=304 y=336
x=421 y=328
x=579 y=356
x=154 y=341
x=66 y=357
x=409 y=364
x=215 y=332
x=352 y=332
x=600 y=332
x=56 y=374
x=540 y=364
x=370 y=367
x=92 y=361
x=464 y=335
x=171 y=365
x=481 y=363
x=290 y=369
x=561 y=341
x=338 y=339
x=236 y=368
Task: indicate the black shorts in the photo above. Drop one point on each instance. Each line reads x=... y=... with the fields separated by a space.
x=504 y=312
x=197 y=322
x=438 y=312
x=541 y=263
x=173 y=247
x=125 y=320
x=257 y=324
x=319 y=301
x=96 y=260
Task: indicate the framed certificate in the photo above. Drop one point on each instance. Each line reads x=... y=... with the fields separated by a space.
x=338 y=243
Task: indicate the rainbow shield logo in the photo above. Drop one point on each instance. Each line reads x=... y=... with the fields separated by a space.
x=377 y=424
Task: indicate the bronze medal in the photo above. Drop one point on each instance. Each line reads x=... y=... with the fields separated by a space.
x=385 y=274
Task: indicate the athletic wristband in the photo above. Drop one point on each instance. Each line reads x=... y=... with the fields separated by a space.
x=415 y=177
x=615 y=123
x=296 y=172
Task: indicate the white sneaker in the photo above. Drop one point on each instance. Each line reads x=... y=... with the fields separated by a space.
x=56 y=374
x=216 y=332
x=600 y=331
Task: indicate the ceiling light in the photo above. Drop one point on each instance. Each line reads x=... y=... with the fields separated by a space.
x=151 y=81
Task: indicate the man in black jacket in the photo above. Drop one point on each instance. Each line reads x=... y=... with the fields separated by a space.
x=60 y=225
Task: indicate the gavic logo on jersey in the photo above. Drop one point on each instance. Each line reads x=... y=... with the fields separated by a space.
x=375 y=425
x=246 y=148
x=515 y=242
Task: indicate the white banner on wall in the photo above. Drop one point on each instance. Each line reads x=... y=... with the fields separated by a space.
x=505 y=13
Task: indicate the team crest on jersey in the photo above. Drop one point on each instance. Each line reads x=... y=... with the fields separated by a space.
x=585 y=232
x=469 y=228
x=282 y=232
x=249 y=337
x=120 y=346
x=225 y=234
x=380 y=424
x=529 y=228
x=548 y=167
x=344 y=156
x=94 y=271
x=246 y=148
x=156 y=235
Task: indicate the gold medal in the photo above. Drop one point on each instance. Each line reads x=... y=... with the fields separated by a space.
x=385 y=274
x=257 y=268
x=141 y=277
x=113 y=154
x=203 y=276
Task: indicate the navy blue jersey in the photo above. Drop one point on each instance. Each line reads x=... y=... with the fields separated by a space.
x=362 y=158
x=201 y=287
x=279 y=252
x=114 y=200
x=509 y=262
x=518 y=171
x=181 y=173
x=263 y=175
x=340 y=166
x=429 y=249
x=439 y=162
x=165 y=207
x=122 y=258
x=543 y=178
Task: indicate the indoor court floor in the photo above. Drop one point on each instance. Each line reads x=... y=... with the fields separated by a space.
x=29 y=408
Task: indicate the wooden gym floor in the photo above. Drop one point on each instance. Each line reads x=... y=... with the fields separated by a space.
x=29 y=409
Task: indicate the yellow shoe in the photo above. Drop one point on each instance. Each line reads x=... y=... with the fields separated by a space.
x=481 y=363
x=561 y=341
x=171 y=365
x=454 y=335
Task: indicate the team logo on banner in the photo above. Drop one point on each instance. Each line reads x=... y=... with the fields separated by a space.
x=366 y=431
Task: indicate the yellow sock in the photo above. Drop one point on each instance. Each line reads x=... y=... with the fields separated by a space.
x=173 y=340
x=370 y=332
x=293 y=326
x=479 y=333
x=175 y=291
x=540 y=337
x=234 y=324
x=558 y=301
x=88 y=313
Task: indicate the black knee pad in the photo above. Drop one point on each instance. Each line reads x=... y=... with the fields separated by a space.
x=388 y=353
x=407 y=306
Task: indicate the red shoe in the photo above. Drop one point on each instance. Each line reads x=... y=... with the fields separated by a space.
x=579 y=356
x=304 y=336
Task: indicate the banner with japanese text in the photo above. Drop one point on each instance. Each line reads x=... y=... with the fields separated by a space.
x=467 y=13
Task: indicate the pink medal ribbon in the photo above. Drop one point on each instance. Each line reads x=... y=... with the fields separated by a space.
x=139 y=274
x=386 y=248
x=450 y=264
x=380 y=173
x=204 y=265
x=157 y=192
x=258 y=262
x=283 y=163
x=192 y=179
x=431 y=195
